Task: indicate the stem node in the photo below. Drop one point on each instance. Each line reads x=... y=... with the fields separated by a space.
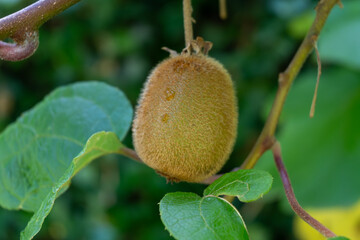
x=23 y=47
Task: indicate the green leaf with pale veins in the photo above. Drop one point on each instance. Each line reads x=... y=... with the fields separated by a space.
x=247 y=185
x=99 y=144
x=39 y=147
x=188 y=216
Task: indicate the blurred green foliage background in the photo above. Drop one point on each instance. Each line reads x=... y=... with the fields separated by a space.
x=119 y=42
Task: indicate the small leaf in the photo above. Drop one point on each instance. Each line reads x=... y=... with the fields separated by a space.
x=37 y=149
x=188 y=216
x=247 y=185
x=99 y=144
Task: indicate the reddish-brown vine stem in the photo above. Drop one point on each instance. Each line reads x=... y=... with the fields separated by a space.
x=23 y=47
x=291 y=196
x=22 y=26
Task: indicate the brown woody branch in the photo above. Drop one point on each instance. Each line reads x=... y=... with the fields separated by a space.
x=22 y=26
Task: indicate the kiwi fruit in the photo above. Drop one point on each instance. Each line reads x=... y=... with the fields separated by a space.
x=186 y=119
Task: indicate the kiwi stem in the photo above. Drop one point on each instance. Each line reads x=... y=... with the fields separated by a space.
x=130 y=154
x=222 y=9
x=286 y=78
x=188 y=30
x=276 y=149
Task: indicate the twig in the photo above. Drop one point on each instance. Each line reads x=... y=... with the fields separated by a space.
x=130 y=154
x=291 y=196
x=24 y=23
x=33 y=16
x=222 y=9
x=286 y=78
x=23 y=47
x=312 y=109
x=187 y=10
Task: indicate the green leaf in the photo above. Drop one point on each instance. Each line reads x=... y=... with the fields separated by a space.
x=188 y=216
x=338 y=238
x=99 y=144
x=247 y=185
x=321 y=154
x=39 y=147
x=339 y=41
x=37 y=220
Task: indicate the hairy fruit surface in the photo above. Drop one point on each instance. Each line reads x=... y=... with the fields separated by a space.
x=186 y=121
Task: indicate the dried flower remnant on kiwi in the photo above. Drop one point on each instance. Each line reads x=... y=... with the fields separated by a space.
x=186 y=120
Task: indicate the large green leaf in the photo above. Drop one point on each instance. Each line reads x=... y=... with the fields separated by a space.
x=99 y=144
x=339 y=40
x=321 y=154
x=188 y=216
x=36 y=151
x=247 y=185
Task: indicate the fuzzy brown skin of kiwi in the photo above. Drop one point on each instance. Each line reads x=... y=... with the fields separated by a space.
x=186 y=120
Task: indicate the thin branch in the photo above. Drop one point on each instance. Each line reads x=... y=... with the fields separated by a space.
x=130 y=154
x=291 y=196
x=265 y=140
x=22 y=48
x=312 y=109
x=22 y=26
x=187 y=10
x=32 y=17
x=222 y=9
